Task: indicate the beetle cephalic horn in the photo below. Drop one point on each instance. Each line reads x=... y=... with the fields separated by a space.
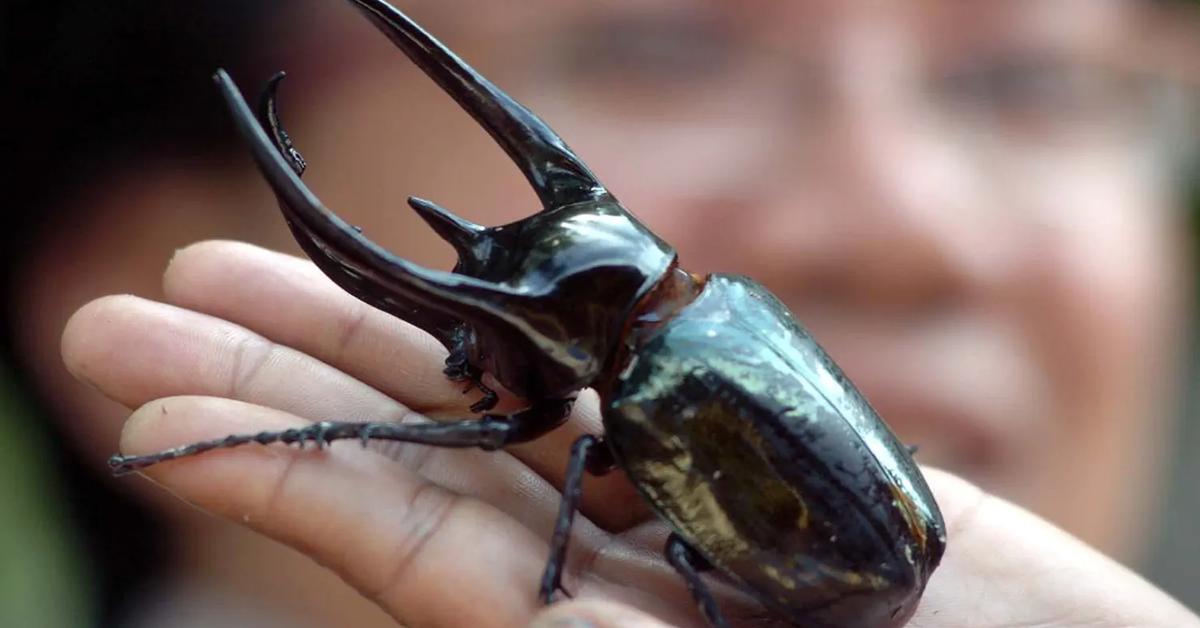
x=362 y=267
x=462 y=234
x=558 y=176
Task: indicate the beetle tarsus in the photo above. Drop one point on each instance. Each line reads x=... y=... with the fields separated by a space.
x=689 y=563
x=456 y=365
x=489 y=400
x=490 y=432
x=590 y=454
x=463 y=372
x=459 y=369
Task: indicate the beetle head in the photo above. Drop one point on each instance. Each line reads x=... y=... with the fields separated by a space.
x=540 y=303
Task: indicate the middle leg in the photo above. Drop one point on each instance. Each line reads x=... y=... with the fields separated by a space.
x=589 y=454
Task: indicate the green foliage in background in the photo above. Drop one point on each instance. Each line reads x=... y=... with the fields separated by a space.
x=43 y=576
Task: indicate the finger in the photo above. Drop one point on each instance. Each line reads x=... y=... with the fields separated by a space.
x=425 y=554
x=136 y=351
x=290 y=302
x=1044 y=576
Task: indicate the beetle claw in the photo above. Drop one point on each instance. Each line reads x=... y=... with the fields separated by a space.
x=489 y=400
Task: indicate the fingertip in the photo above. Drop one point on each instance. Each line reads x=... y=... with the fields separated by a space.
x=79 y=342
x=198 y=265
x=140 y=428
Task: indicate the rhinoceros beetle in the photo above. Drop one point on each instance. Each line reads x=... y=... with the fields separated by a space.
x=730 y=420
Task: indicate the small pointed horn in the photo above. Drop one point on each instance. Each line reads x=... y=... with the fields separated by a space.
x=557 y=175
x=462 y=234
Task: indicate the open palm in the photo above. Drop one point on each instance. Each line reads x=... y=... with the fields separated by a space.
x=254 y=340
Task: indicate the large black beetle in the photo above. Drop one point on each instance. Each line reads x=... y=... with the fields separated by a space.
x=726 y=415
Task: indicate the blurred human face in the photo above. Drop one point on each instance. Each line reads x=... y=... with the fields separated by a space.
x=964 y=201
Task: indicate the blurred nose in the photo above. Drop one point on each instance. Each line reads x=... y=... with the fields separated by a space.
x=869 y=207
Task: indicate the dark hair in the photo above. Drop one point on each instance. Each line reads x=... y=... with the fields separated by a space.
x=89 y=87
x=93 y=83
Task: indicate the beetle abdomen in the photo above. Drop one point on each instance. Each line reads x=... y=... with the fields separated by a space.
x=750 y=442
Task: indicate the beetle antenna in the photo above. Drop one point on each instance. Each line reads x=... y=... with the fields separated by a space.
x=557 y=175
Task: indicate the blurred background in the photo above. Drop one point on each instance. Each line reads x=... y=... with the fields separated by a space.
x=987 y=212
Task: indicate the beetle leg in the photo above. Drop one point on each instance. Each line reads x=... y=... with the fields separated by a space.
x=461 y=371
x=490 y=397
x=458 y=369
x=689 y=563
x=490 y=432
x=589 y=454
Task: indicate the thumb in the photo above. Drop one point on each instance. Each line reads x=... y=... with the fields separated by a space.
x=594 y=614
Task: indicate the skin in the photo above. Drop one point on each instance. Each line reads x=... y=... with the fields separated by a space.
x=971 y=245
x=401 y=525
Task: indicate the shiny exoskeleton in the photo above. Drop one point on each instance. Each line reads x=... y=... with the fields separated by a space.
x=739 y=430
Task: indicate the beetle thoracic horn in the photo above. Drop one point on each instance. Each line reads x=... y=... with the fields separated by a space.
x=558 y=176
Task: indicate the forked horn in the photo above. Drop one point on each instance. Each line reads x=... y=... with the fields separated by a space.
x=350 y=258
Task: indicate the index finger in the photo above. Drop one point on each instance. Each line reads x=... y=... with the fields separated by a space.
x=289 y=301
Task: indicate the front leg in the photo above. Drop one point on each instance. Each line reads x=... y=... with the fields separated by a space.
x=490 y=432
x=459 y=369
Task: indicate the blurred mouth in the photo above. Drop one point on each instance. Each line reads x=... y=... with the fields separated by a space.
x=964 y=393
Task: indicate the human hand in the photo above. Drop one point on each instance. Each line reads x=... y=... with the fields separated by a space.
x=253 y=340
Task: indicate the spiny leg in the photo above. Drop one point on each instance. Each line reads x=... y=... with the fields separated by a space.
x=588 y=454
x=490 y=432
x=689 y=563
x=459 y=369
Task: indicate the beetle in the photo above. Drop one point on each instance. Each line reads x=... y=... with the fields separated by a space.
x=740 y=431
